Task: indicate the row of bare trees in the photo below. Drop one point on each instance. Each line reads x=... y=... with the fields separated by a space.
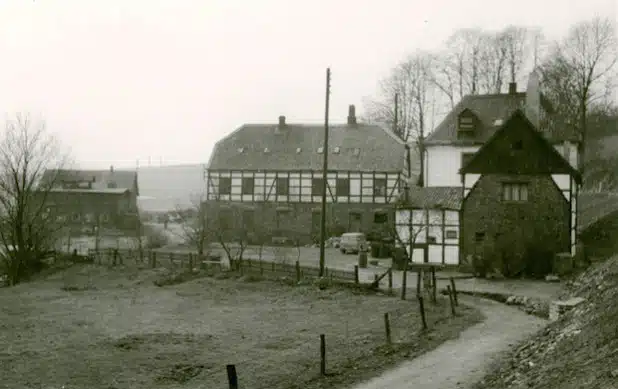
x=578 y=73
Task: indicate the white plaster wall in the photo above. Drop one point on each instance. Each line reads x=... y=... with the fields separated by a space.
x=443 y=164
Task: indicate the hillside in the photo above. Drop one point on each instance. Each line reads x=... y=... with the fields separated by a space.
x=163 y=188
x=578 y=351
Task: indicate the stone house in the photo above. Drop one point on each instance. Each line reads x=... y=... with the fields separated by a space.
x=267 y=178
x=503 y=169
x=85 y=199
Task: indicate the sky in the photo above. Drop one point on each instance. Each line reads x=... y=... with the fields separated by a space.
x=122 y=82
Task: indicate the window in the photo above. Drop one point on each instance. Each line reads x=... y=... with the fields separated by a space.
x=283 y=216
x=320 y=150
x=226 y=220
x=451 y=234
x=465 y=158
x=248 y=219
x=380 y=217
x=225 y=186
x=283 y=186
x=337 y=150
x=343 y=187
x=111 y=185
x=512 y=191
x=317 y=184
x=379 y=187
x=431 y=239
x=248 y=185
x=356 y=151
x=466 y=123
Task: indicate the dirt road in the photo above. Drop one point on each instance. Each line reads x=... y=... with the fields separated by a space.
x=459 y=363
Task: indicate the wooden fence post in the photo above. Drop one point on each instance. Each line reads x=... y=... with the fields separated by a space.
x=297 y=271
x=454 y=291
x=450 y=297
x=154 y=259
x=191 y=261
x=387 y=328
x=434 y=287
x=232 y=378
x=170 y=256
x=390 y=280
x=323 y=354
x=115 y=256
x=421 y=306
x=261 y=268
x=356 y=281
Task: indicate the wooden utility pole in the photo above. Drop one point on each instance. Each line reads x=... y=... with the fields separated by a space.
x=324 y=177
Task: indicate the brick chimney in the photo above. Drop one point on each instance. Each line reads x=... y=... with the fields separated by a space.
x=533 y=98
x=351 y=115
x=111 y=168
x=512 y=88
x=282 y=121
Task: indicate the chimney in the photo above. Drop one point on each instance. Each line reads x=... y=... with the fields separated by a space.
x=351 y=115
x=533 y=98
x=282 y=121
x=111 y=168
x=512 y=88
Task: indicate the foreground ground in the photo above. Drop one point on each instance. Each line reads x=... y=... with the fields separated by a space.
x=578 y=351
x=461 y=362
x=118 y=330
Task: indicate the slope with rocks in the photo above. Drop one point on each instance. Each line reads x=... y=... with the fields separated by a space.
x=579 y=350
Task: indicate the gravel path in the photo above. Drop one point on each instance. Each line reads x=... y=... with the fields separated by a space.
x=459 y=363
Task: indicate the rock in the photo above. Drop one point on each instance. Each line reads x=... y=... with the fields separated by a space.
x=552 y=278
x=511 y=300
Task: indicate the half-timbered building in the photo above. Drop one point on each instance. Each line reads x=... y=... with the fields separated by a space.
x=268 y=178
x=483 y=197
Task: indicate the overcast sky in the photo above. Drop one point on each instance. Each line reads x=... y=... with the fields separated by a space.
x=122 y=80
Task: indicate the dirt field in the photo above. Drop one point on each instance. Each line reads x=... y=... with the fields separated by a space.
x=125 y=332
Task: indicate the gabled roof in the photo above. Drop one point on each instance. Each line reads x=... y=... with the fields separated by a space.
x=100 y=179
x=537 y=156
x=434 y=197
x=362 y=147
x=490 y=109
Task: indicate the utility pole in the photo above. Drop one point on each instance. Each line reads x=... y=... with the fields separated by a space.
x=324 y=177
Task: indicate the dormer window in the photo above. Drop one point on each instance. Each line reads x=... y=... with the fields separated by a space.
x=466 y=122
x=337 y=150
x=320 y=150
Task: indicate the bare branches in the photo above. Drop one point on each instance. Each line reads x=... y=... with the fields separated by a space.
x=194 y=224
x=27 y=151
x=580 y=69
x=410 y=81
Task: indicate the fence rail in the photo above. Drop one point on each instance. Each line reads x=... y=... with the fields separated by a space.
x=180 y=260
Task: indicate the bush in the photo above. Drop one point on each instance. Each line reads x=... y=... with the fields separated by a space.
x=155 y=238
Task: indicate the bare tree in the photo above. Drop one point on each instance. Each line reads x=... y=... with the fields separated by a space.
x=28 y=229
x=404 y=103
x=578 y=72
x=195 y=227
x=493 y=53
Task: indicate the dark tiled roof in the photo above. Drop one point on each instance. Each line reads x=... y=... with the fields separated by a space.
x=378 y=149
x=594 y=207
x=489 y=109
x=124 y=179
x=435 y=197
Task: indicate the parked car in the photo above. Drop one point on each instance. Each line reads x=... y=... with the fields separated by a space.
x=353 y=242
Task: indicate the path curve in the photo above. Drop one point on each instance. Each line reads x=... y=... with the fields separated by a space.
x=459 y=363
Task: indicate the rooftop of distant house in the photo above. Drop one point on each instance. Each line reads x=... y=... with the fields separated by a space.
x=110 y=181
x=352 y=146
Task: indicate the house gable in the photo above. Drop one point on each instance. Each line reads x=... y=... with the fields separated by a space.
x=518 y=148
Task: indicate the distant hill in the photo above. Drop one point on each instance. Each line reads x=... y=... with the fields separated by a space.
x=164 y=188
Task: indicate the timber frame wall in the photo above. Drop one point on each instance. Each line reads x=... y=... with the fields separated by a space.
x=433 y=233
x=362 y=187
